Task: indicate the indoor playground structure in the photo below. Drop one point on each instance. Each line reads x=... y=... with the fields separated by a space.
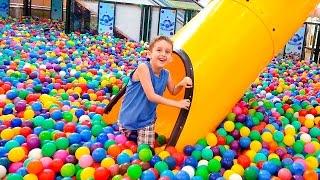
x=254 y=114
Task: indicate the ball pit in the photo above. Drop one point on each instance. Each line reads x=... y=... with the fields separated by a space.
x=54 y=88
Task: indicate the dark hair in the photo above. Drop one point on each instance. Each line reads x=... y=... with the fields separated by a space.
x=160 y=38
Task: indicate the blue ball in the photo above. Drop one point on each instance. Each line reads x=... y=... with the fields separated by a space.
x=74 y=138
x=20 y=139
x=270 y=167
x=98 y=154
x=244 y=142
x=123 y=158
x=148 y=175
x=85 y=135
x=22 y=171
x=297 y=168
x=167 y=173
x=226 y=163
x=16 y=122
x=188 y=150
x=182 y=175
x=214 y=176
x=3 y=151
x=229 y=154
x=264 y=175
x=4 y=161
x=191 y=161
x=56 y=115
x=154 y=160
x=59 y=125
x=171 y=162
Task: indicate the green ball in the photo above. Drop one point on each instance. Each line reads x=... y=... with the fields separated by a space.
x=145 y=154
x=48 y=149
x=259 y=157
x=64 y=96
x=231 y=116
x=251 y=173
x=23 y=94
x=255 y=120
x=14 y=176
x=45 y=135
x=202 y=142
x=134 y=171
x=278 y=136
x=117 y=177
x=296 y=124
x=62 y=143
x=37 y=121
x=48 y=124
x=229 y=139
x=255 y=135
x=298 y=146
x=314 y=132
x=96 y=130
x=214 y=165
x=207 y=154
x=68 y=170
x=161 y=139
x=202 y=171
x=115 y=90
x=161 y=166
x=222 y=132
x=68 y=116
x=259 y=115
x=196 y=154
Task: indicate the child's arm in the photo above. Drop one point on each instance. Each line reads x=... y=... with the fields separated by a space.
x=143 y=75
x=186 y=82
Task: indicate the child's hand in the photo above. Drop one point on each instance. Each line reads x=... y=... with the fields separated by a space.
x=186 y=82
x=183 y=104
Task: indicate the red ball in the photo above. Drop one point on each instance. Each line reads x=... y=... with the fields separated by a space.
x=179 y=157
x=101 y=173
x=47 y=174
x=35 y=167
x=56 y=165
x=244 y=161
x=25 y=131
x=221 y=140
x=69 y=127
x=99 y=110
x=171 y=149
x=303 y=112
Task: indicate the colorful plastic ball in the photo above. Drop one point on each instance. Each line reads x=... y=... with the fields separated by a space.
x=16 y=154
x=35 y=153
x=211 y=139
x=189 y=169
x=207 y=154
x=68 y=170
x=3 y=171
x=34 y=167
x=145 y=154
x=87 y=173
x=134 y=171
x=56 y=165
x=123 y=158
x=101 y=173
x=284 y=174
x=98 y=154
x=148 y=175
x=214 y=165
x=251 y=172
x=47 y=174
x=7 y=134
x=82 y=151
x=48 y=149
x=85 y=161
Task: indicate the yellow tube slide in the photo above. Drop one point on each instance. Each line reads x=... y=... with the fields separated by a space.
x=228 y=44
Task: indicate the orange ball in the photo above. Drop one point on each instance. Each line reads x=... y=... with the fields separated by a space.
x=114 y=150
x=35 y=167
x=310 y=174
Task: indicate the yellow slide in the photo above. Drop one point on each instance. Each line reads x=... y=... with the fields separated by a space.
x=224 y=48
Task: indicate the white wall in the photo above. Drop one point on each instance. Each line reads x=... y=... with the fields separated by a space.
x=154 y=22
x=128 y=20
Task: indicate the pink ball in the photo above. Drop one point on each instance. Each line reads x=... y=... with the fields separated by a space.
x=304 y=129
x=284 y=174
x=65 y=108
x=85 y=161
x=15 y=166
x=120 y=139
x=61 y=154
x=110 y=136
x=46 y=161
x=237 y=110
x=309 y=148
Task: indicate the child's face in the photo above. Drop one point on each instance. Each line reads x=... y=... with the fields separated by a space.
x=161 y=53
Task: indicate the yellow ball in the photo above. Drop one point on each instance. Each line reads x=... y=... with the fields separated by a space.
x=30 y=177
x=267 y=137
x=16 y=154
x=251 y=154
x=211 y=139
x=82 y=151
x=273 y=156
x=217 y=158
x=312 y=162
x=107 y=162
x=288 y=140
x=289 y=130
x=7 y=134
x=93 y=97
x=128 y=151
x=237 y=168
x=244 y=131
x=228 y=126
x=227 y=174
x=270 y=127
x=255 y=145
x=309 y=123
x=28 y=114
x=164 y=154
x=87 y=173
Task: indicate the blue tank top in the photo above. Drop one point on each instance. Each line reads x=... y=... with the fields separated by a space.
x=137 y=111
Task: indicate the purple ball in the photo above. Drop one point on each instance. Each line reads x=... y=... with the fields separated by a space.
x=215 y=150
x=71 y=159
x=241 y=118
x=235 y=145
x=33 y=142
x=95 y=146
x=236 y=134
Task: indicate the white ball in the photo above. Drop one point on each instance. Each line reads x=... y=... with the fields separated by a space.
x=84 y=118
x=189 y=170
x=62 y=73
x=260 y=103
x=235 y=177
x=42 y=66
x=203 y=162
x=310 y=116
x=3 y=171
x=305 y=137
x=73 y=72
x=35 y=154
